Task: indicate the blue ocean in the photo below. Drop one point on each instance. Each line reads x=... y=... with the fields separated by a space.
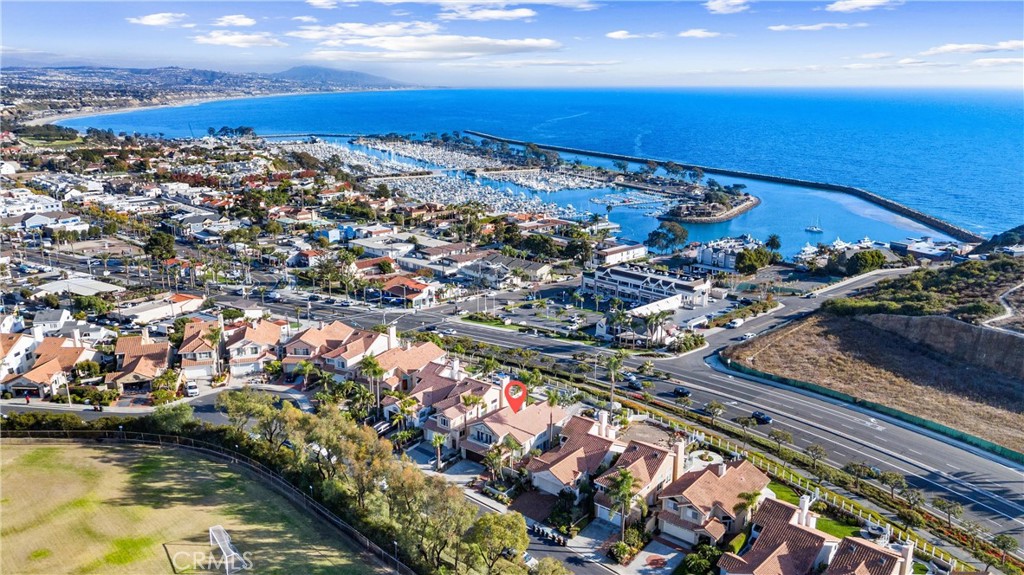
x=955 y=154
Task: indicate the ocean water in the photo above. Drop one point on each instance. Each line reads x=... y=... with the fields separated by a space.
x=955 y=154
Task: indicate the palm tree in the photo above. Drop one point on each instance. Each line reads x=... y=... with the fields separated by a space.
x=551 y=397
x=598 y=298
x=493 y=459
x=747 y=501
x=438 y=441
x=773 y=242
x=621 y=493
x=470 y=401
x=488 y=366
x=653 y=322
x=578 y=298
x=613 y=363
x=373 y=371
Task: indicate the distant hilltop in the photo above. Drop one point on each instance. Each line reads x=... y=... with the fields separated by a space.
x=46 y=92
x=299 y=78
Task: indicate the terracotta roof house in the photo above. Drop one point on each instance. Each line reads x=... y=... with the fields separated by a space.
x=862 y=557
x=442 y=391
x=251 y=346
x=415 y=293
x=528 y=428
x=371 y=266
x=42 y=380
x=139 y=359
x=651 y=467
x=585 y=445
x=784 y=542
x=200 y=350
x=400 y=363
x=16 y=352
x=699 y=505
x=312 y=343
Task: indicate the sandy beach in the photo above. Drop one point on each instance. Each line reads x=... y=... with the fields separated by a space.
x=186 y=102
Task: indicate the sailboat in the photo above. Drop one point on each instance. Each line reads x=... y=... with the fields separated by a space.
x=815 y=228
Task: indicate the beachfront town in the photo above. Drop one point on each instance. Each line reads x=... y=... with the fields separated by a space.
x=407 y=283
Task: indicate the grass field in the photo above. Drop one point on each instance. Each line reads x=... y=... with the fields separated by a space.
x=107 y=509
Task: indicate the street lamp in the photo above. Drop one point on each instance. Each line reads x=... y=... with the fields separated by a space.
x=396 y=555
x=121 y=429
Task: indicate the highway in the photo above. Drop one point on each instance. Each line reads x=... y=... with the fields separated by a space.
x=991 y=490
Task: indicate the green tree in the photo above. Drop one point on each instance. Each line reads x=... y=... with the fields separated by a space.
x=1005 y=544
x=493 y=533
x=551 y=566
x=620 y=491
x=373 y=371
x=714 y=409
x=774 y=243
x=438 y=441
x=859 y=471
x=913 y=497
x=950 y=508
x=173 y=418
x=747 y=502
x=895 y=481
x=864 y=261
x=780 y=436
x=909 y=518
x=160 y=246
x=816 y=453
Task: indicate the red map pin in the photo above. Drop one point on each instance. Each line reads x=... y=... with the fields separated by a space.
x=515 y=401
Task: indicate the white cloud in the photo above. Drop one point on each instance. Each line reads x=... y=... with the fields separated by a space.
x=815 y=27
x=627 y=35
x=432 y=47
x=486 y=14
x=875 y=56
x=336 y=34
x=159 y=19
x=238 y=39
x=863 y=66
x=727 y=6
x=860 y=5
x=324 y=4
x=698 y=33
x=991 y=62
x=234 y=20
x=1007 y=46
x=306 y=19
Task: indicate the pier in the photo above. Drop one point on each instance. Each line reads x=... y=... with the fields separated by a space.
x=893 y=206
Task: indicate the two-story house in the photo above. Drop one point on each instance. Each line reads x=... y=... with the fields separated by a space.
x=401 y=363
x=50 y=320
x=528 y=428
x=700 y=505
x=310 y=343
x=200 y=350
x=55 y=359
x=250 y=346
x=138 y=360
x=16 y=352
x=651 y=467
x=585 y=446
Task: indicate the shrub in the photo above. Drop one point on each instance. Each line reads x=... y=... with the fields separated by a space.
x=6 y=395
x=621 y=552
x=736 y=543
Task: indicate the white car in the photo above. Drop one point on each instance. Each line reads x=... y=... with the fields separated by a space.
x=749 y=336
x=449 y=331
x=191 y=390
x=530 y=560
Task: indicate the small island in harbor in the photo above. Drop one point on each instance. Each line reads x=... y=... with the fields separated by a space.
x=666 y=190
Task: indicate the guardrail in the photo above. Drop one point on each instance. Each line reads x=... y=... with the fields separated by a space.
x=271 y=477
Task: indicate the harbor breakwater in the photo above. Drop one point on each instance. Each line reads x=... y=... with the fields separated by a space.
x=890 y=205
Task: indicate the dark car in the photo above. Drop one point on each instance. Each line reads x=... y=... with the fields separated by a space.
x=314 y=297
x=330 y=301
x=761 y=418
x=682 y=392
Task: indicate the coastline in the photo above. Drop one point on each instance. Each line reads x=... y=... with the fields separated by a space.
x=77 y=115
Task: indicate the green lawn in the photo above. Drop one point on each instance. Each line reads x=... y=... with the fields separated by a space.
x=831 y=526
x=112 y=510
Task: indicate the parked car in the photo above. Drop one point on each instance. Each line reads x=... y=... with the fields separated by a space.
x=811 y=295
x=330 y=301
x=761 y=418
x=530 y=561
x=191 y=390
x=735 y=323
x=682 y=392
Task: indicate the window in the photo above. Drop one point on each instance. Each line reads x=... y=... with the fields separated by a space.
x=442 y=421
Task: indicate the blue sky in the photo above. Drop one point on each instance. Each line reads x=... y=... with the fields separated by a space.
x=546 y=42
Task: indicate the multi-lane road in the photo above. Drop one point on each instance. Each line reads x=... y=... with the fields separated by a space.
x=990 y=489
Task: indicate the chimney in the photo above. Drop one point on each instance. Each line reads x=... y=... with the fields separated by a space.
x=392 y=336
x=680 y=463
x=37 y=333
x=320 y=324
x=721 y=469
x=805 y=510
x=908 y=558
x=76 y=337
x=602 y=423
x=456 y=368
x=145 y=334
